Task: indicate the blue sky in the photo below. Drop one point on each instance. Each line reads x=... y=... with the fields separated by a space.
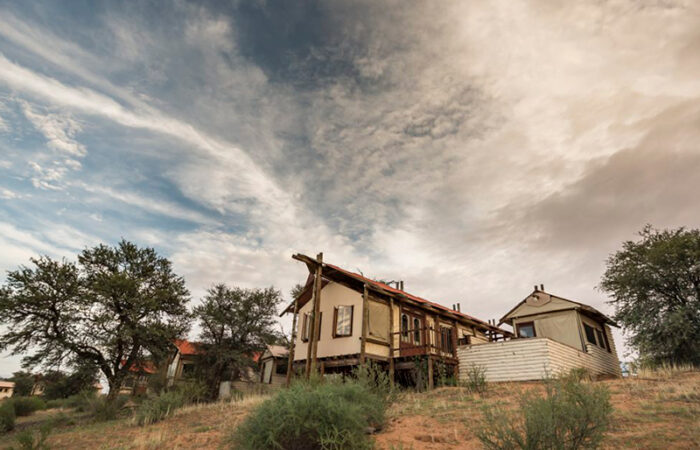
x=471 y=150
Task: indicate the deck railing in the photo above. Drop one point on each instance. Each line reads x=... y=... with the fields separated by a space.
x=425 y=341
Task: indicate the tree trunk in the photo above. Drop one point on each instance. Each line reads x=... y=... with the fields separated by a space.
x=115 y=385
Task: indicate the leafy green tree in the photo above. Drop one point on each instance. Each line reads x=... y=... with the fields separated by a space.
x=296 y=291
x=24 y=382
x=236 y=323
x=58 y=384
x=112 y=309
x=655 y=288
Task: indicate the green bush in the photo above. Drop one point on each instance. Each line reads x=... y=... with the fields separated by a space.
x=27 y=440
x=102 y=410
x=571 y=415
x=311 y=416
x=157 y=408
x=476 y=379
x=192 y=391
x=25 y=406
x=7 y=416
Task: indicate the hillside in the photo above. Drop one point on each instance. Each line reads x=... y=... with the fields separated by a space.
x=656 y=412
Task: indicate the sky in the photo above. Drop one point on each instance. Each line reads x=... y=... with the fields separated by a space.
x=471 y=149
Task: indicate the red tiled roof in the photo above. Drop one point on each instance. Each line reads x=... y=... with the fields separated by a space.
x=145 y=367
x=386 y=287
x=187 y=347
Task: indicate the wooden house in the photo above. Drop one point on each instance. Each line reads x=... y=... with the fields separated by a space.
x=7 y=388
x=552 y=335
x=273 y=365
x=342 y=319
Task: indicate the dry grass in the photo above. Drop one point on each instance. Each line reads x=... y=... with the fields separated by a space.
x=195 y=426
x=660 y=410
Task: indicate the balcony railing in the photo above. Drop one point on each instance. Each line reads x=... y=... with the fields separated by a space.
x=425 y=341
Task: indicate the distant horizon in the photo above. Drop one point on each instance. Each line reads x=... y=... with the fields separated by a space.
x=472 y=150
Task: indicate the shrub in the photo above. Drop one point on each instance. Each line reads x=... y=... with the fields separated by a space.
x=100 y=409
x=27 y=441
x=476 y=379
x=571 y=415
x=7 y=416
x=314 y=416
x=376 y=379
x=192 y=391
x=157 y=408
x=24 y=406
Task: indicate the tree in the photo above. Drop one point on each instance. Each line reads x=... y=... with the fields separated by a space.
x=236 y=323
x=296 y=291
x=113 y=309
x=58 y=384
x=655 y=288
x=24 y=382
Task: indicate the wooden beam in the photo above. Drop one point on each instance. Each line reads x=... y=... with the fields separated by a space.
x=365 y=323
x=318 y=284
x=391 y=341
x=290 y=362
x=431 y=385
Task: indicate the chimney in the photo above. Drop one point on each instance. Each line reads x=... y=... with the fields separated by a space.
x=541 y=287
x=535 y=287
x=459 y=307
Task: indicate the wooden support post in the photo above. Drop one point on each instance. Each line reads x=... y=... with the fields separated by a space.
x=292 y=343
x=391 y=341
x=365 y=320
x=431 y=385
x=323 y=368
x=313 y=339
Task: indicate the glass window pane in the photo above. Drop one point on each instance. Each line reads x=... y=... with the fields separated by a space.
x=526 y=330
x=344 y=321
x=590 y=334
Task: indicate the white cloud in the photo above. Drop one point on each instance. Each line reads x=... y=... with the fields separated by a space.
x=8 y=194
x=59 y=130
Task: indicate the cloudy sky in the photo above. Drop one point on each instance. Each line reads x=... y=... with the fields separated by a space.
x=471 y=149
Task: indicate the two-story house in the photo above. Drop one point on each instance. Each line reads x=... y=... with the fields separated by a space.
x=360 y=319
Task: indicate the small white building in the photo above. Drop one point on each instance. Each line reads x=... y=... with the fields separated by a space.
x=7 y=388
x=552 y=336
x=273 y=363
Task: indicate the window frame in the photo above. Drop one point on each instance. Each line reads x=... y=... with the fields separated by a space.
x=526 y=324
x=446 y=344
x=336 y=310
x=306 y=326
x=417 y=338
x=586 y=328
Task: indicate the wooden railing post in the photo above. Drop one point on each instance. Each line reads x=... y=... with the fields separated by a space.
x=290 y=356
x=313 y=339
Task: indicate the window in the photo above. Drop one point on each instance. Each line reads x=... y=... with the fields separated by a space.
x=404 y=327
x=281 y=367
x=416 y=330
x=187 y=370
x=602 y=339
x=306 y=326
x=446 y=339
x=342 y=321
x=526 y=330
x=590 y=334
